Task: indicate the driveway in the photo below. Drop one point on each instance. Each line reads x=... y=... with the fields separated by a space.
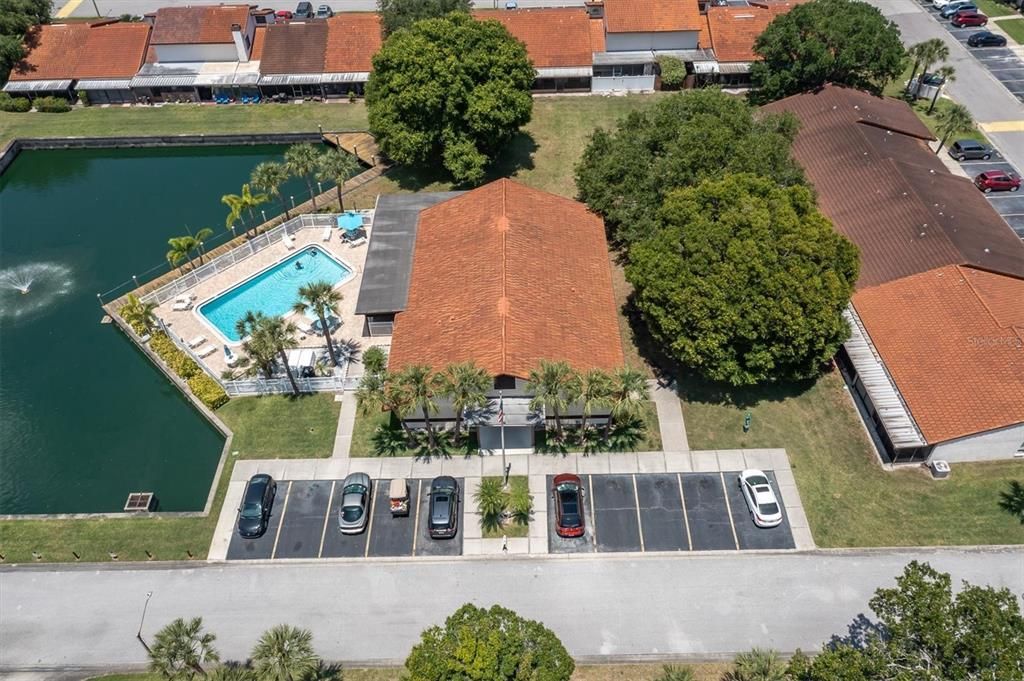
x=1010 y=205
x=670 y=604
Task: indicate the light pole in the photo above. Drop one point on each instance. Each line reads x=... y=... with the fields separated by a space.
x=138 y=634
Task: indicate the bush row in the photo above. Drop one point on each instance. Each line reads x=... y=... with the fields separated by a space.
x=44 y=104
x=207 y=390
x=14 y=104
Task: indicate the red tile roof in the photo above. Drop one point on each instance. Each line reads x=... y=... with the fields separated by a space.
x=81 y=50
x=197 y=25
x=507 y=275
x=651 y=16
x=734 y=29
x=887 y=192
x=352 y=40
x=294 y=48
x=597 y=35
x=554 y=37
x=952 y=339
x=259 y=38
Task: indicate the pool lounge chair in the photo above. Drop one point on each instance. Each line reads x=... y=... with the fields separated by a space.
x=289 y=242
x=358 y=241
x=197 y=341
x=327 y=233
x=206 y=351
x=182 y=304
x=230 y=358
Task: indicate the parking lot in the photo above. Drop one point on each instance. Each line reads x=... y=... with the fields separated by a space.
x=1010 y=205
x=303 y=524
x=1001 y=62
x=667 y=512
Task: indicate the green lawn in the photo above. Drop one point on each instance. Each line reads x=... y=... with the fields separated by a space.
x=176 y=119
x=1014 y=28
x=849 y=499
x=265 y=427
x=993 y=8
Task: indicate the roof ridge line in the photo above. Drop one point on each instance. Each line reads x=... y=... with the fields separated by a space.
x=977 y=295
x=504 y=278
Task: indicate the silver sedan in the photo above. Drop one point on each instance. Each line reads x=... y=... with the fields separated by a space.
x=355 y=503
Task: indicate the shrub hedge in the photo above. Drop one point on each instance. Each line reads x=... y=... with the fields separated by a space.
x=14 y=104
x=207 y=390
x=52 y=105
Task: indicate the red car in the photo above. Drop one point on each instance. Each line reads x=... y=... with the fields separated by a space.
x=283 y=16
x=568 y=492
x=969 y=18
x=997 y=181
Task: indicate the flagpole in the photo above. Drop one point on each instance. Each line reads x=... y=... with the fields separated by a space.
x=501 y=421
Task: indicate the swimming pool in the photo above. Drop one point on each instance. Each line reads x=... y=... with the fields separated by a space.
x=274 y=290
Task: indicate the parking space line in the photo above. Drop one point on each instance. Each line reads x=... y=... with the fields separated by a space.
x=593 y=517
x=686 y=519
x=284 y=512
x=327 y=519
x=728 y=508
x=369 y=523
x=639 y=522
x=416 y=524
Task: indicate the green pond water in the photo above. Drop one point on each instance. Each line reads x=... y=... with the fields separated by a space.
x=85 y=418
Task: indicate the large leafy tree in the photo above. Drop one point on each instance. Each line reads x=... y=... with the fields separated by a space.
x=746 y=281
x=494 y=644
x=924 y=632
x=396 y=14
x=683 y=139
x=450 y=91
x=16 y=16
x=845 y=42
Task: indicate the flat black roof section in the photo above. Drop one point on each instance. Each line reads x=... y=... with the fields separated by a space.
x=385 y=287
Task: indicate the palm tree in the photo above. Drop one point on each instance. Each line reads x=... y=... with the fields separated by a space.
x=255 y=346
x=181 y=250
x=231 y=672
x=491 y=502
x=268 y=177
x=137 y=313
x=932 y=50
x=915 y=52
x=419 y=384
x=955 y=119
x=323 y=300
x=277 y=334
x=302 y=161
x=758 y=665
x=948 y=74
x=285 y=653
x=244 y=202
x=181 y=648
x=551 y=384
x=337 y=168
x=380 y=390
x=671 y=672
x=629 y=392
x=465 y=386
x=594 y=389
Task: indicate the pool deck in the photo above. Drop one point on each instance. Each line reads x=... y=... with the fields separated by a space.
x=190 y=324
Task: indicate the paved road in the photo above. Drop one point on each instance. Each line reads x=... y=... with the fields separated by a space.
x=622 y=606
x=113 y=8
x=988 y=100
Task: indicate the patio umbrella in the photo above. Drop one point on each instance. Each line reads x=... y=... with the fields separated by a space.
x=350 y=222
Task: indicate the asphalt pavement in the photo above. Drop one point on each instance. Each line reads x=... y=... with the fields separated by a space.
x=612 y=607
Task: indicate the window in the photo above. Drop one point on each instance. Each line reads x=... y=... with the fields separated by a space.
x=505 y=383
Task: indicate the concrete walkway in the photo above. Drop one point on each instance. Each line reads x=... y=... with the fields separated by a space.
x=670 y=418
x=346 y=424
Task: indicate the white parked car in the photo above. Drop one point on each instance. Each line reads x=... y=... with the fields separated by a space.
x=939 y=4
x=764 y=506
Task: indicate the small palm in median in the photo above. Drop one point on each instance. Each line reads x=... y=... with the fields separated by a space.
x=323 y=300
x=285 y=653
x=491 y=502
x=181 y=649
x=336 y=168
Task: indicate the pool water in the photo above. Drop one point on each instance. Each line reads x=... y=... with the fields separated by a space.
x=273 y=291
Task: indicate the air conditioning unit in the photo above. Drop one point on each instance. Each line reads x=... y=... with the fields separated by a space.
x=940 y=469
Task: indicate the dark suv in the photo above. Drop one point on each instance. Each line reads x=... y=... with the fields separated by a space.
x=970 y=150
x=444 y=507
x=304 y=10
x=256 y=505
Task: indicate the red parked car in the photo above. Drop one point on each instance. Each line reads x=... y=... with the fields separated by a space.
x=969 y=18
x=997 y=181
x=283 y=16
x=568 y=492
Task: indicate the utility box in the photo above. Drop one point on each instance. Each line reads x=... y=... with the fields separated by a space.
x=940 y=469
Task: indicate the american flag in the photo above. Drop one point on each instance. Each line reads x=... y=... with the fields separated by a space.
x=501 y=412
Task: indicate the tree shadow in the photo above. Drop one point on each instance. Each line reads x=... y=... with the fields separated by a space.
x=859 y=633
x=516 y=156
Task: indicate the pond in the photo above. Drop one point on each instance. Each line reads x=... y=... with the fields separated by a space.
x=85 y=418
